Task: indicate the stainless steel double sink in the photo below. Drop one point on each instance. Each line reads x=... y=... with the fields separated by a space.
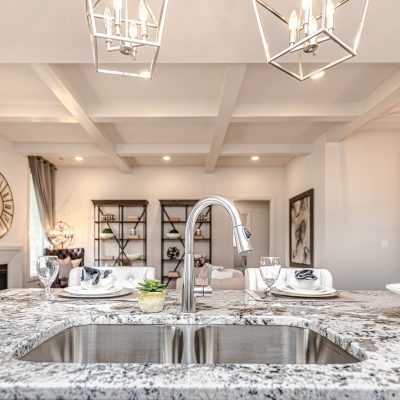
x=189 y=344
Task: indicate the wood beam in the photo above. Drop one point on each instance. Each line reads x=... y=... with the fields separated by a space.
x=233 y=80
x=382 y=99
x=54 y=80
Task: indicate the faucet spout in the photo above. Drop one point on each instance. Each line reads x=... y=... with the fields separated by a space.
x=241 y=240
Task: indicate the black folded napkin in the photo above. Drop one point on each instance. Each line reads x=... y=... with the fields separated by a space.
x=305 y=274
x=94 y=274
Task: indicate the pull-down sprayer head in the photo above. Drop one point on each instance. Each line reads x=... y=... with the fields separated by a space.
x=241 y=239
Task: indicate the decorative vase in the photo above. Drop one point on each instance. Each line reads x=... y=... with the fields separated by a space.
x=151 y=302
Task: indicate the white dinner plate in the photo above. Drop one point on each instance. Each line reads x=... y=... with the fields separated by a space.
x=86 y=295
x=322 y=291
x=80 y=291
x=394 y=287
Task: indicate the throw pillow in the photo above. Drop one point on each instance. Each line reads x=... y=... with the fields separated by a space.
x=76 y=263
x=65 y=268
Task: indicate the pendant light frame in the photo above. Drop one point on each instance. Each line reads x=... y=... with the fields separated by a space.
x=94 y=17
x=322 y=35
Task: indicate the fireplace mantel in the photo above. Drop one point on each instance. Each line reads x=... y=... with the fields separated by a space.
x=13 y=257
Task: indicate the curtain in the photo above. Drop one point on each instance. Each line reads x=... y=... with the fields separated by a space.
x=43 y=177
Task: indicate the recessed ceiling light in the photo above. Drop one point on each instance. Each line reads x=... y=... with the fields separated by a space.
x=254 y=158
x=78 y=158
x=318 y=75
x=166 y=158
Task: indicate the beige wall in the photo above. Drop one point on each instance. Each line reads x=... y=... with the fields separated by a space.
x=15 y=170
x=357 y=196
x=76 y=187
x=357 y=207
x=363 y=209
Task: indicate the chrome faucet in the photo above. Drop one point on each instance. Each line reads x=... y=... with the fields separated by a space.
x=241 y=240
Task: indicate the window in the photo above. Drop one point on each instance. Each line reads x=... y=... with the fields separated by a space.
x=36 y=234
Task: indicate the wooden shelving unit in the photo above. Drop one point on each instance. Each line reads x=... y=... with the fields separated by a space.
x=170 y=210
x=114 y=251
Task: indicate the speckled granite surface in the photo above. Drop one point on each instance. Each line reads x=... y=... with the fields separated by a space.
x=369 y=329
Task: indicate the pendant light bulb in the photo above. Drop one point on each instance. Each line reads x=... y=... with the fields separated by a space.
x=117 y=4
x=313 y=25
x=133 y=31
x=306 y=5
x=329 y=15
x=107 y=19
x=293 y=22
x=143 y=15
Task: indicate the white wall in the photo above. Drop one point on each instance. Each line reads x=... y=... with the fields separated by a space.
x=304 y=173
x=363 y=209
x=15 y=169
x=77 y=187
x=356 y=207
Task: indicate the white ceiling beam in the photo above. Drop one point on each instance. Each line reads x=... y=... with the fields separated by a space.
x=233 y=80
x=59 y=149
x=132 y=112
x=188 y=149
x=382 y=99
x=34 y=113
x=247 y=113
x=52 y=77
x=187 y=113
x=234 y=149
x=148 y=150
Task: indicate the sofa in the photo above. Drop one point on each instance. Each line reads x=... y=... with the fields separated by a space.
x=219 y=278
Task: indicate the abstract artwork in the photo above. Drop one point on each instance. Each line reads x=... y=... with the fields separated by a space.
x=301 y=223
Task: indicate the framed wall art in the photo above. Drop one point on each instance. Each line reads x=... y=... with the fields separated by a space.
x=301 y=229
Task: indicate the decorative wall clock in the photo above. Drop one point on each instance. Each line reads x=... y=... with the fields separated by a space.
x=6 y=206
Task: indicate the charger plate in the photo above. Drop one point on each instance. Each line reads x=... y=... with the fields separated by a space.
x=394 y=287
x=322 y=292
x=259 y=295
x=85 y=295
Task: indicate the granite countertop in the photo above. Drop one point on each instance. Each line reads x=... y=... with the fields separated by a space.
x=368 y=328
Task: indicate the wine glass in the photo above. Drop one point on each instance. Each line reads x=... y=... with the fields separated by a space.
x=270 y=268
x=47 y=270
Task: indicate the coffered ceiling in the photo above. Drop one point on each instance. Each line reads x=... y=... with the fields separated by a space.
x=213 y=101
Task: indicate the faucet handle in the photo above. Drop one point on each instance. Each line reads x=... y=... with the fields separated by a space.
x=247 y=233
x=203 y=291
x=209 y=274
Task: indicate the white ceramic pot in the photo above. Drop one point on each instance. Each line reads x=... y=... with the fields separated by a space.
x=106 y=235
x=173 y=235
x=134 y=256
x=151 y=302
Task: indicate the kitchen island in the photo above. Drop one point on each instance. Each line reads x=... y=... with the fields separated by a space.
x=368 y=328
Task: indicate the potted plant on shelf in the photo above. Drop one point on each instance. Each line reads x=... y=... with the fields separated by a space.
x=151 y=296
x=173 y=234
x=107 y=234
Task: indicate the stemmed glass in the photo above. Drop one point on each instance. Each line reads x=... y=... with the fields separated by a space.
x=47 y=270
x=270 y=268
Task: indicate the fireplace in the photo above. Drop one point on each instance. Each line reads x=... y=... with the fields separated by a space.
x=3 y=277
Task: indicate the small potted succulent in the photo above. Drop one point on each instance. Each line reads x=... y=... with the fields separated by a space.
x=151 y=296
x=173 y=234
x=107 y=234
